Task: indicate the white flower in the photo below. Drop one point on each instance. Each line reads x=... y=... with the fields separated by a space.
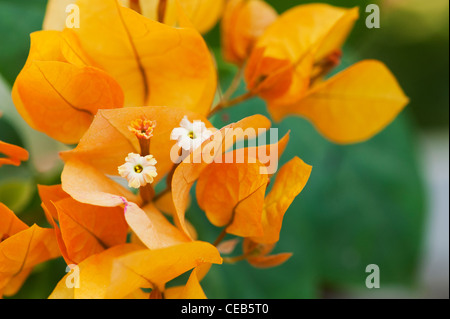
x=189 y=135
x=138 y=170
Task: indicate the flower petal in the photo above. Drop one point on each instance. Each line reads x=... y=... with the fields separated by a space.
x=152 y=228
x=94 y=275
x=243 y=22
x=25 y=250
x=87 y=230
x=14 y=154
x=299 y=37
x=55 y=15
x=232 y=195
x=10 y=224
x=289 y=182
x=178 y=72
x=352 y=106
x=62 y=99
x=269 y=261
x=154 y=268
x=203 y=14
x=192 y=289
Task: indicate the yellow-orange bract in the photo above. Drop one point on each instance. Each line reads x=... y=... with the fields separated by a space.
x=152 y=228
x=56 y=15
x=57 y=93
x=233 y=196
x=82 y=230
x=288 y=64
x=258 y=254
x=289 y=182
x=155 y=64
x=203 y=14
x=13 y=154
x=192 y=289
x=21 y=248
x=242 y=24
x=232 y=193
x=121 y=271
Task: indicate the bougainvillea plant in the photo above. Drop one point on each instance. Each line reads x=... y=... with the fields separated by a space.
x=131 y=87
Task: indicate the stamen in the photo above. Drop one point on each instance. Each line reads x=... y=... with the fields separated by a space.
x=143 y=130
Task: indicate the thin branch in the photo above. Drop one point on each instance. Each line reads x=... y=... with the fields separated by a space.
x=226 y=104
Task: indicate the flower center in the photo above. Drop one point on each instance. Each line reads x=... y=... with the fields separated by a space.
x=192 y=135
x=138 y=168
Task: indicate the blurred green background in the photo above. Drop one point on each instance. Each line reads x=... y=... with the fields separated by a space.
x=364 y=204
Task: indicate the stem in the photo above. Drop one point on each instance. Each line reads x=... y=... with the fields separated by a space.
x=146 y=193
x=220 y=237
x=230 y=91
x=135 y=5
x=226 y=104
x=145 y=146
x=232 y=260
x=162 y=10
x=234 y=85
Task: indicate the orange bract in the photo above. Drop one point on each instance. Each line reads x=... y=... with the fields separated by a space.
x=232 y=195
x=152 y=228
x=21 y=248
x=177 y=72
x=203 y=14
x=353 y=105
x=243 y=22
x=258 y=254
x=94 y=275
x=192 y=289
x=121 y=271
x=289 y=182
x=58 y=95
x=14 y=154
x=82 y=230
x=292 y=56
x=154 y=268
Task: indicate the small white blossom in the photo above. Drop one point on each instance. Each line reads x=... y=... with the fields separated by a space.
x=189 y=135
x=138 y=170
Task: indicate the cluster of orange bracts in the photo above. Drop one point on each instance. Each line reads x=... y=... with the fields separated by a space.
x=135 y=79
